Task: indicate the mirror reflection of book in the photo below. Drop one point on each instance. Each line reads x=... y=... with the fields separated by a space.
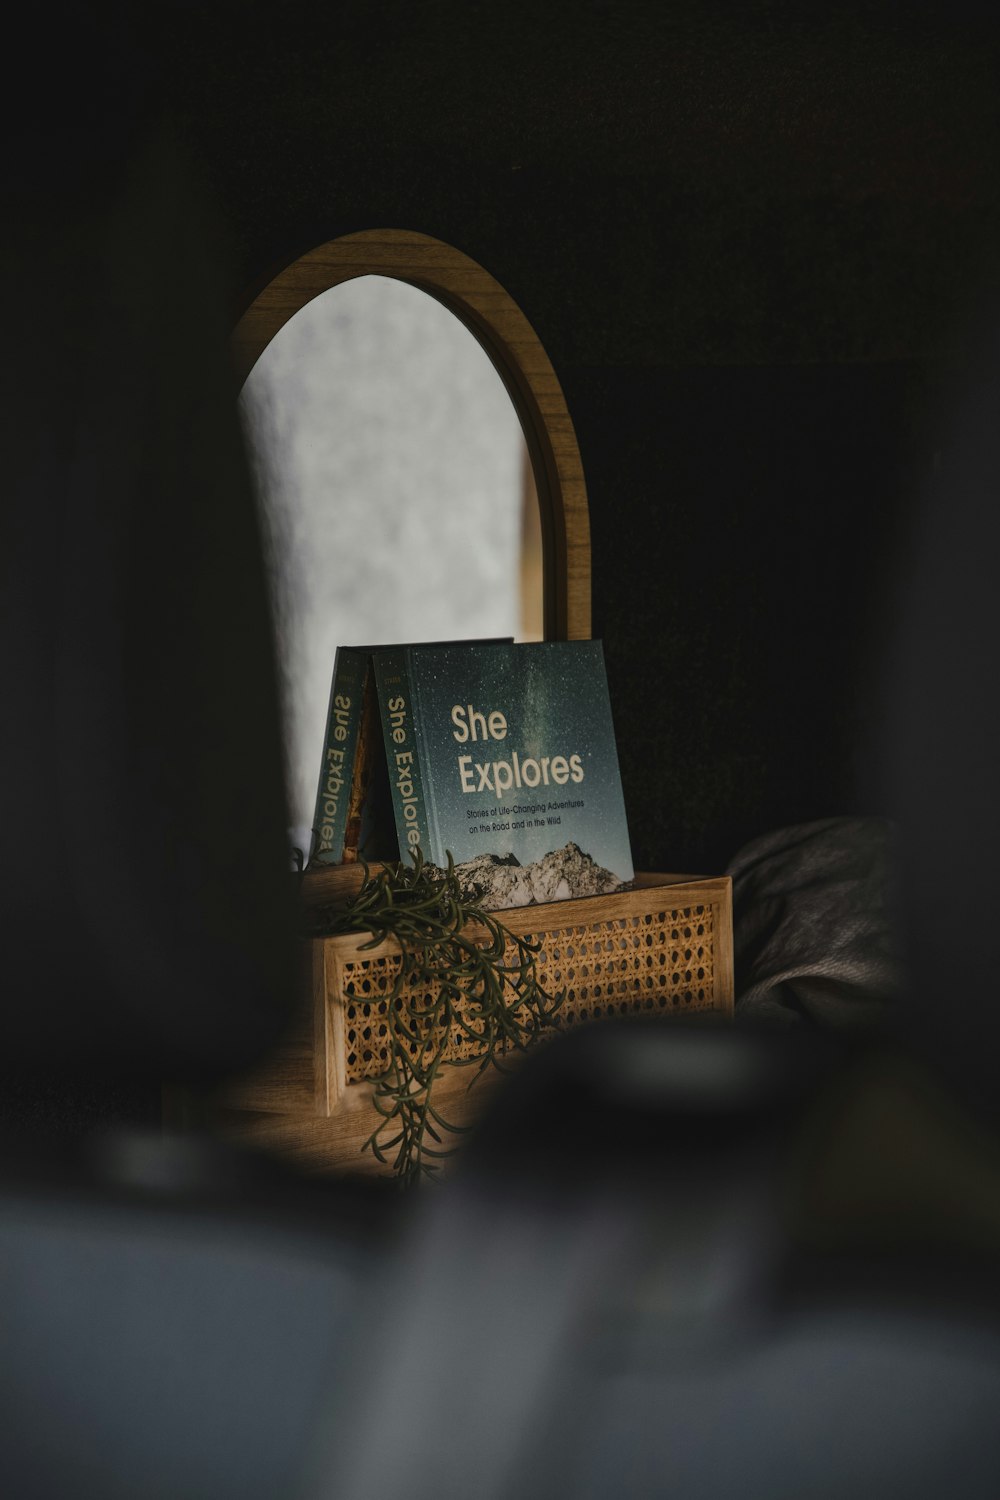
x=353 y=818
x=370 y=833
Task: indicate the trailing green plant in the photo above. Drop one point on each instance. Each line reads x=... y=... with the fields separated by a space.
x=463 y=973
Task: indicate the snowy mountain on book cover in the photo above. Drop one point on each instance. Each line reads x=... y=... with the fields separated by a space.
x=504 y=756
x=498 y=881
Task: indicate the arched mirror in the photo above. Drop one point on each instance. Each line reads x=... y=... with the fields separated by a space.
x=418 y=470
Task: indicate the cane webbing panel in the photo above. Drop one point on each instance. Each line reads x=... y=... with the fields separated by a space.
x=660 y=962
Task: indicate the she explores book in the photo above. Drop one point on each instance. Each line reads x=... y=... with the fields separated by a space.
x=504 y=756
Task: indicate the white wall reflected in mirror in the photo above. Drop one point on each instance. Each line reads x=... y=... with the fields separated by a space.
x=396 y=490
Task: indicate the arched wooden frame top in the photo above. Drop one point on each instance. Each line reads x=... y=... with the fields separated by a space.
x=514 y=348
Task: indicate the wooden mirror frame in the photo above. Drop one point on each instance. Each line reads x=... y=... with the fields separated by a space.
x=495 y=319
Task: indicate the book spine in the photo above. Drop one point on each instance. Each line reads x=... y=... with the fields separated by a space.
x=339 y=750
x=402 y=751
x=434 y=849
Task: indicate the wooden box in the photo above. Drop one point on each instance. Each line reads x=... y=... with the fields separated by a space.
x=662 y=948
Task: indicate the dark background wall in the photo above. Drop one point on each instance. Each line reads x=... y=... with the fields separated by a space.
x=755 y=247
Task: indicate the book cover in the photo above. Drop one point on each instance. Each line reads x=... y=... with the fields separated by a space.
x=504 y=756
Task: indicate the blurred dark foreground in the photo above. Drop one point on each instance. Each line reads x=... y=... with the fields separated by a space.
x=685 y=1261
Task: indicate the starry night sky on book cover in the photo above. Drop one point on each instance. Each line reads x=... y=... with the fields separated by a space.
x=554 y=697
